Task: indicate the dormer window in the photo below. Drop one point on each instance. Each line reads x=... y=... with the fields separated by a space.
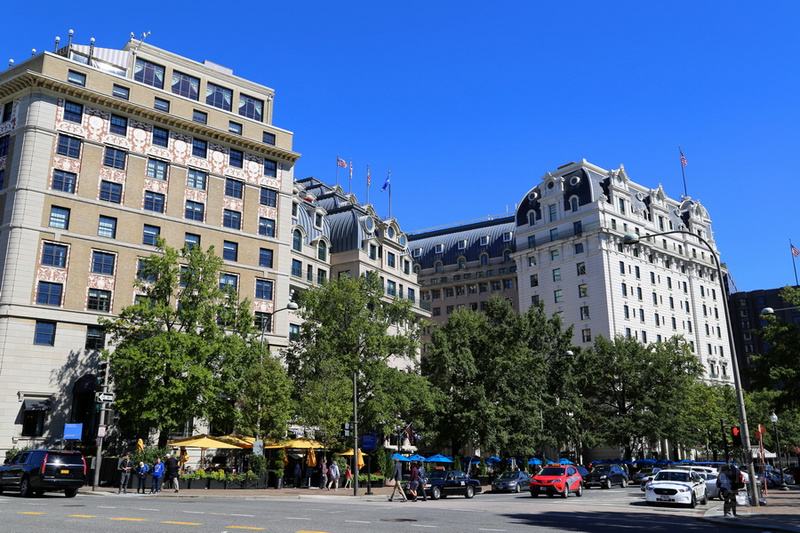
x=417 y=252
x=485 y=240
x=439 y=248
x=507 y=236
x=462 y=245
x=318 y=220
x=390 y=232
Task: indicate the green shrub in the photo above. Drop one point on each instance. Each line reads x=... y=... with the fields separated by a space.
x=258 y=464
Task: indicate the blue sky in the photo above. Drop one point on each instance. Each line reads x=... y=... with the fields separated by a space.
x=469 y=103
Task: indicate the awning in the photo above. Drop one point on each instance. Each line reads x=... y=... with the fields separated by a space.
x=29 y=404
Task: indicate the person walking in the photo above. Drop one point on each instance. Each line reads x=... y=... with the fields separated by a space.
x=413 y=482
x=141 y=474
x=348 y=477
x=423 y=478
x=727 y=484
x=333 y=476
x=158 y=473
x=296 y=476
x=172 y=472
x=324 y=478
x=124 y=466
x=397 y=476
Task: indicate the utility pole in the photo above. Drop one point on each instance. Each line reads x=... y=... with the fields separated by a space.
x=102 y=380
x=354 y=468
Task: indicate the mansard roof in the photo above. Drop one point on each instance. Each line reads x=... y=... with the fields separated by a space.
x=463 y=241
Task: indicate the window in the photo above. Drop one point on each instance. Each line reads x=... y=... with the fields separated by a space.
x=230 y=251
x=73 y=112
x=581 y=268
x=270 y=168
x=266 y=227
x=236 y=158
x=624 y=289
x=553 y=235
x=297 y=268
x=484 y=259
x=390 y=259
x=555 y=255
x=190 y=240
x=54 y=255
x=233 y=188
x=583 y=290
x=114 y=158
x=103 y=263
x=64 y=181
x=99 y=300
x=231 y=219
x=268 y=138
x=251 y=107
x=107 y=227
x=322 y=251
x=194 y=211
x=265 y=257
x=157 y=169
x=585 y=312
x=68 y=146
x=111 y=192
x=196 y=179
x=558 y=296
x=160 y=137
x=219 y=96
x=556 y=274
x=297 y=240
x=552 y=213
x=45 y=333
x=49 y=293
x=269 y=197
x=507 y=236
x=586 y=335
x=228 y=282
x=154 y=201
x=150 y=234
x=578 y=248
x=118 y=125
x=2 y=178
x=185 y=85
x=59 y=217
x=264 y=289
x=160 y=104
x=9 y=107
x=235 y=128
x=294 y=331
x=534 y=280
x=119 y=91
x=199 y=148
x=149 y=73
x=95 y=338
x=411 y=295
x=199 y=116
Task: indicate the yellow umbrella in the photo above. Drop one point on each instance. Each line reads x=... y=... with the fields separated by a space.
x=139 y=445
x=302 y=444
x=311 y=458
x=360 y=457
x=202 y=441
x=242 y=441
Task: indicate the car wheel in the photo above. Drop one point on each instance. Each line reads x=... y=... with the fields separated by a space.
x=25 y=488
x=693 y=503
x=704 y=501
x=608 y=483
x=70 y=493
x=469 y=492
x=436 y=493
x=565 y=494
x=579 y=492
x=517 y=489
x=623 y=483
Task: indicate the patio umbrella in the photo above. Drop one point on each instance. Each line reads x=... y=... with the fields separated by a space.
x=492 y=460
x=565 y=461
x=311 y=458
x=535 y=461
x=302 y=444
x=139 y=445
x=203 y=442
x=417 y=457
x=401 y=458
x=360 y=457
x=438 y=459
x=242 y=441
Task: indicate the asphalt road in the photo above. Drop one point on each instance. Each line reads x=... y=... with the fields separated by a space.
x=597 y=511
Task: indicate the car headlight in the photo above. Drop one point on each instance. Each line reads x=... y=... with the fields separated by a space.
x=512 y=483
x=602 y=477
x=684 y=489
x=648 y=487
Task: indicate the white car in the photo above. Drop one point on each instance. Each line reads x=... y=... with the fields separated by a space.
x=711 y=485
x=676 y=486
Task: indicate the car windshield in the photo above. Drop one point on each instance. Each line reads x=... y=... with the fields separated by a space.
x=437 y=474
x=672 y=476
x=509 y=475
x=600 y=469
x=552 y=471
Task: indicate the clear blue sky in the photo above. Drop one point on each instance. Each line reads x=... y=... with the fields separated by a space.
x=469 y=103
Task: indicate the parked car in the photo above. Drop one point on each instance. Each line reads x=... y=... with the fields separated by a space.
x=557 y=479
x=676 y=486
x=711 y=485
x=39 y=471
x=639 y=477
x=512 y=482
x=606 y=475
x=444 y=483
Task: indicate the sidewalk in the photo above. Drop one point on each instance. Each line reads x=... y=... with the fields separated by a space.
x=782 y=513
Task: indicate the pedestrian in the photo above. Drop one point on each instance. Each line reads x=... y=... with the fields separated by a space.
x=141 y=474
x=413 y=482
x=296 y=477
x=423 y=479
x=158 y=473
x=172 y=472
x=726 y=484
x=348 y=477
x=397 y=476
x=333 y=476
x=324 y=479
x=124 y=466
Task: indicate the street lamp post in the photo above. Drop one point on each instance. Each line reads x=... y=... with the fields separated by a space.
x=737 y=380
x=774 y=418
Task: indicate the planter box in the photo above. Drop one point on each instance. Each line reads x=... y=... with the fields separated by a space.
x=215 y=484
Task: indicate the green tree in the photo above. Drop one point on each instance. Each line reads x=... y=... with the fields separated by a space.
x=349 y=329
x=186 y=349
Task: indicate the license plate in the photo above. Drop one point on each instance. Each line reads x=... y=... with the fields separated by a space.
x=65 y=471
x=664 y=498
x=542 y=489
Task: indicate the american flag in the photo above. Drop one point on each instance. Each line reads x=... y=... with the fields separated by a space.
x=795 y=251
x=683 y=159
x=341 y=162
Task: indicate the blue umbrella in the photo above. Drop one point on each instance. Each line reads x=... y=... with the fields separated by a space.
x=565 y=461
x=399 y=457
x=535 y=461
x=438 y=459
x=493 y=460
x=416 y=457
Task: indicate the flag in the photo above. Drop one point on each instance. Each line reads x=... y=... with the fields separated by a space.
x=386 y=184
x=368 y=179
x=341 y=162
x=683 y=159
x=795 y=251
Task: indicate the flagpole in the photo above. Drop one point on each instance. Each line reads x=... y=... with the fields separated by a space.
x=368 y=184
x=390 y=195
x=350 y=183
x=794 y=261
x=683 y=171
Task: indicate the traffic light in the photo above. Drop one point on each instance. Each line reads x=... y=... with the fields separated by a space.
x=345 y=430
x=102 y=373
x=736 y=434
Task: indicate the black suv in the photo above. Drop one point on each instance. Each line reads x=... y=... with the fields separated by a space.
x=606 y=475
x=39 y=471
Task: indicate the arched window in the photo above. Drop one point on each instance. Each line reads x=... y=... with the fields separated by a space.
x=573 y=204
x=484 y=259
x=297 y=240
x=462 y=263
x=438 y=267
x=322 y=251
x=531 y=218
x=506 y=255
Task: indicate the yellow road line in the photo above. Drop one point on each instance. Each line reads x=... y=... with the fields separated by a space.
x=27 y=512
x=183 y=523
x=131 y=519
x=83 y=515
x=245 y=527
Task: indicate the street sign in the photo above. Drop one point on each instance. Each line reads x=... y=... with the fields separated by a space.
x=104 y=397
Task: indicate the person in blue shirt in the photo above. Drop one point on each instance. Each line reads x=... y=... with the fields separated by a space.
x=158 y=473
x=141 y=474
